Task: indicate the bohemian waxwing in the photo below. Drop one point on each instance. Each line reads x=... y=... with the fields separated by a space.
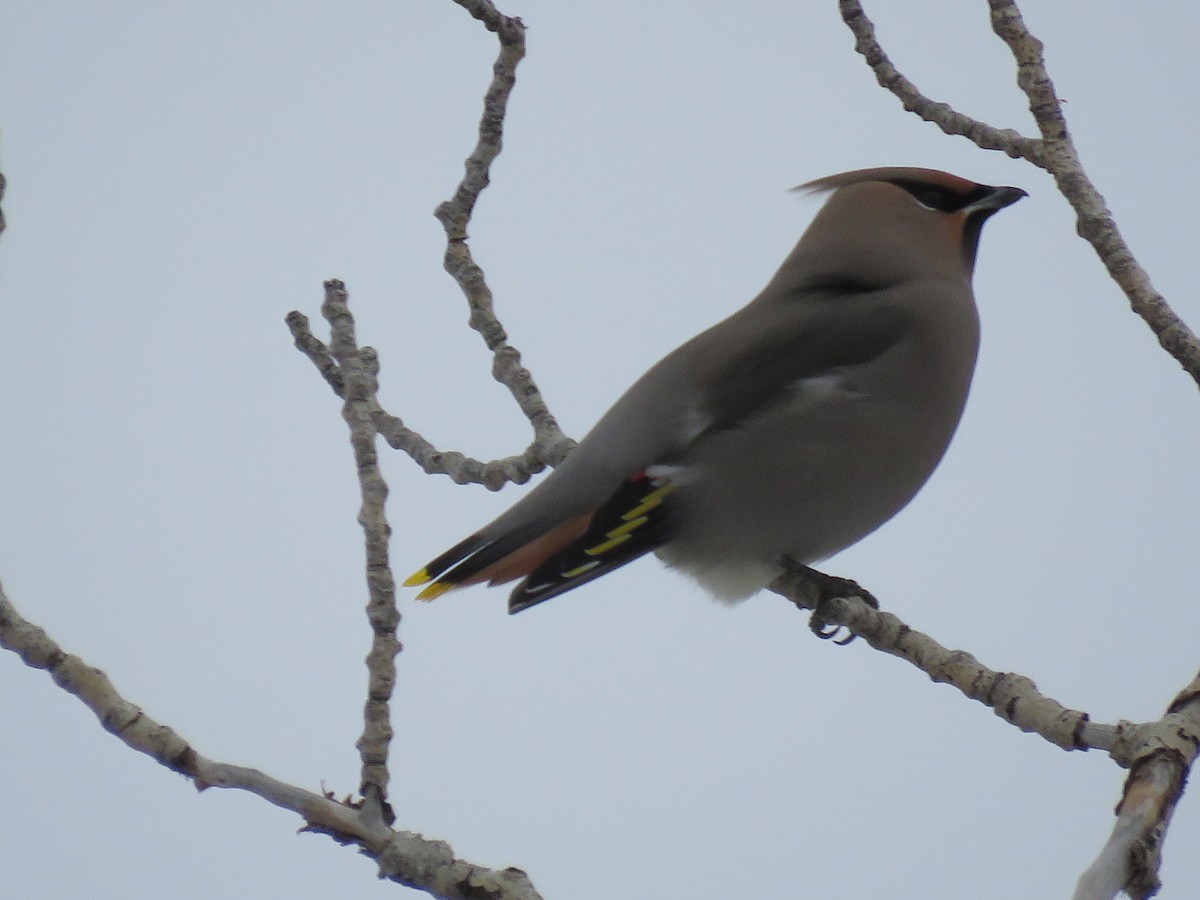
x=795 y=427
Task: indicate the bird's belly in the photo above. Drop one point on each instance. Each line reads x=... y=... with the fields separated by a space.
x=805 y=486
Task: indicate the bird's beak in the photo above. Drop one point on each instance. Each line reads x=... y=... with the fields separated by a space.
x=997 y=199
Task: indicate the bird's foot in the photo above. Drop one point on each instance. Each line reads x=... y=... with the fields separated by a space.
x=829 y=588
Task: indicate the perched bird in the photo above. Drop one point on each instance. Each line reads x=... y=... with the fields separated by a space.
x=793 y=428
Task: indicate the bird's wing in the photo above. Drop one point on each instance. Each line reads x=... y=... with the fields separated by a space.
x=632 y=523
x=820 y=338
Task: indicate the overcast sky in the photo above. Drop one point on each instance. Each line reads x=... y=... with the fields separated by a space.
x=177 y=494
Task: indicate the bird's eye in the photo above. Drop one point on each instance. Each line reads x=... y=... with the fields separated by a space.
x=941 y=198
x=933 y=196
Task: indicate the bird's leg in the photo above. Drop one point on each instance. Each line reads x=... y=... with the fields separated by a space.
x=828 y=588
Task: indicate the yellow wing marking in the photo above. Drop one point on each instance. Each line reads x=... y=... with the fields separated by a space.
x=627 y=527
x=604 y=547
x=579 y=570
x=651 y=500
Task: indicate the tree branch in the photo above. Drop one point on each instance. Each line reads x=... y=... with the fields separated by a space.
x=1160 y=755
x=1054 y=151
x=1006 y=140
x=359 y=368
x=402 y=856
x=1012 y=697
x=459 y=468
x=1094 y=222
x=549 y=446
x=455 y=214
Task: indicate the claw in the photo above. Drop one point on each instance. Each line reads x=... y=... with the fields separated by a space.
x=850 y=636
x=830 y=587
x=821 y=628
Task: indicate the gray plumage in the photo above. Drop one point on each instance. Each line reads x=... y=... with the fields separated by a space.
x=796 y=426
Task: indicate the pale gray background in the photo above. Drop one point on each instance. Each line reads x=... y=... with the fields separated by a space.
x=177 y=495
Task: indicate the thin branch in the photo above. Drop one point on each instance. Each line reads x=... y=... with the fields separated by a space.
x=455 y=216
x=1013 y=698
x=1162 y=754
x=402 y=856
x=941 y=114
x=1054 y=151
x=1158 y=754
x=360 y=370
x=549 y=445
x=1094 y=222
x=461 y=469
x=312 y=347
x=456 y=212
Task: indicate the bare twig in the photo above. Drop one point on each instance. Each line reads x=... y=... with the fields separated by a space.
x=461 y=469
x=1013 y=698
x=455 y=215
x=402 y=856
x=941 y=114
x=549 y=446
x=1094 y=222
x=359 y=368
x=1054 y=151
x=308 y=344
x=1160 y=755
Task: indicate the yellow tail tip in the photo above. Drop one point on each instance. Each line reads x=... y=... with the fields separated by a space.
x=417 y=578
x=435 y=590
